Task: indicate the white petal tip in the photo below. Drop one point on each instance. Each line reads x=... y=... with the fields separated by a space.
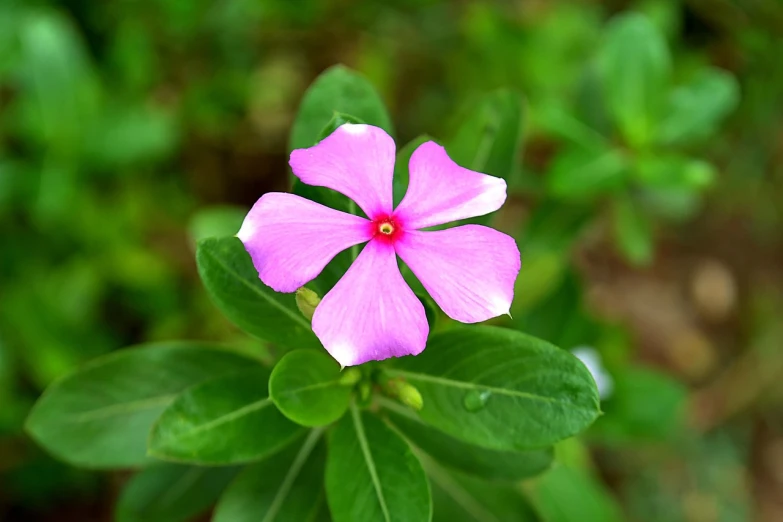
x=343 y=353
x=354 y=128
x=246 y=231
x=499 y=305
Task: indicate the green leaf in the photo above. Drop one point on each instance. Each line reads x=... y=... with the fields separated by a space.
x=645 y=406
x=635 y=68
x=675 y=204
x=338 y=89
x=401 y=174
x=671 y=171
x=578 y=174
x=171 y=493
x=560 y=317
x=338 y=119
x=227 y=420
x=62 y=95
x=458 y=497
x=489 y=139
x=100 y=416
x=287 y=487
x=544 y=270
x=556 y=119
x=565 y=494
x=232 y=282
x=632 y=232
x=555 y=226
x=696 y=109
x=218 y=221
x=305 y=386
x=372 y=474
x=500 y=389
x=125 y=135
x=452 y=452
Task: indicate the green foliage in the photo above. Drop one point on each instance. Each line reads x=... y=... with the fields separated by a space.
x=216 y=222
x=372 y=474
x=622 y=143
x=338 y=89
x=696 y=108
x=227 y=420
x=475 y=460
x=231 y=280
x=522 y=393
x=635 y=68
x=588 y=500
x=113 y=401
x=645 y=406
x=171 y=493
x=287 y=487
x=489 y=137
x=632 y=232
x=305 y=385
x=460 y=497
x=582 y=173
x=120 y=123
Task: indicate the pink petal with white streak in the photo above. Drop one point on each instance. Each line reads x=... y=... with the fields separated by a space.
x=371 y=314
x=292 y=239
x=356 y=160
x=440 y=191
x=469 y=270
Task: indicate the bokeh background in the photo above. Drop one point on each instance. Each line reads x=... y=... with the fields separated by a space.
x=130 y=129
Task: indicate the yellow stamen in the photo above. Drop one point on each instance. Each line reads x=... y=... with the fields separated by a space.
x=386 y=228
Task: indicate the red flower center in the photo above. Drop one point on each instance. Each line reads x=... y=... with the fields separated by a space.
x=386 y=228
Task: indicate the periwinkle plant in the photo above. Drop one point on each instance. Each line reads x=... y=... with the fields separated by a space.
x=308 y=439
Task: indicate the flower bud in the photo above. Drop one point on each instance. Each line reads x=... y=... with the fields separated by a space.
x=410 y=396
x=350 y=377
x=306 y=301
x=403 y=391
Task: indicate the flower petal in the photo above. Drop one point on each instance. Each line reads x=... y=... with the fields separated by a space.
x=469 y=271
x=371 y=314
x=440 y=191
x=356 y=160
x=292 y=239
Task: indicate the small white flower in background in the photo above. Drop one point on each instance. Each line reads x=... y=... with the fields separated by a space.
x=592 y=359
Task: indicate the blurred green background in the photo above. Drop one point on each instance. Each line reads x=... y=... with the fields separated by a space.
x=129 y=129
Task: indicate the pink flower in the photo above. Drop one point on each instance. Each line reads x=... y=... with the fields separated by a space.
x=371 y=313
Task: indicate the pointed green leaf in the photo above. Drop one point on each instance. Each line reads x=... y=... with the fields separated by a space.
x=232 y=282
x=305 y=386
x=500 y=389
x=338 y=89
x=171 y=493
x=489 y=139
x=580 y=174
x=645 y=406
x=227 y=420
x=696 y=109
x=456 y=454
x=100 y=416
x=463 y=498
x=287 y=487
x=632 y=232
x=372 y=474
x=587 y=499
x=635 y=68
